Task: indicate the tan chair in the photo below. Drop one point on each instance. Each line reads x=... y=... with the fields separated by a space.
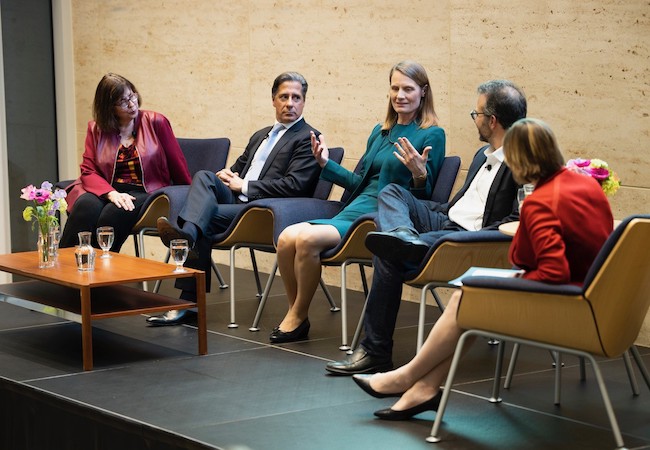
x=352 y=248
x=601 y=318
x=257 y=227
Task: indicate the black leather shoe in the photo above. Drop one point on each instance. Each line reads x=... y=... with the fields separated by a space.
x=359 y=362
x=299 y=334
x=363 y=381
x=168 y=232
x=401 y=244
x=429 y=405
x=173 y=317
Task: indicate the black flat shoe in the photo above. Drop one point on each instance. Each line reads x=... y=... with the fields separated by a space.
x=299 y=334
x=429 y=405
x=363 y=381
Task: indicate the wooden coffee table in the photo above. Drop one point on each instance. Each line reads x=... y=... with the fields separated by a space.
x=102 y=293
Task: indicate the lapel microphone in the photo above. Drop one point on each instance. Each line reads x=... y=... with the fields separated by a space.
x=489 y=167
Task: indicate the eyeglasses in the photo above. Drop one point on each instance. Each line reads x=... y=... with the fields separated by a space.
x=124 y=103
x=474 y=114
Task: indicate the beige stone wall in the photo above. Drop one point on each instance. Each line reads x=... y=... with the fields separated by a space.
x=208 y=66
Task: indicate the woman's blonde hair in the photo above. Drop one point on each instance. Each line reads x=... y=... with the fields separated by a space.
x=426 y=114
x=531 y=151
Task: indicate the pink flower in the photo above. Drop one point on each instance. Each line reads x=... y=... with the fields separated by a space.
x=599 y=173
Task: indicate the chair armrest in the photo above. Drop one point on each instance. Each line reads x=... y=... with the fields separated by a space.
x=177 y=196
x=521 y=284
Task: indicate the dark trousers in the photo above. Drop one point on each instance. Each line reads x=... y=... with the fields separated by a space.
x=397 y=207
x=90 y=212
x=211 y=206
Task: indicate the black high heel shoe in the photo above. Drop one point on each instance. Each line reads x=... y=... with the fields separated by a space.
x=299 y=334
x=429 y=405
x=363 y=381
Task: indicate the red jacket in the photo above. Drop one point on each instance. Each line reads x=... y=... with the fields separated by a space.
x=563 y=225
x=161 y=158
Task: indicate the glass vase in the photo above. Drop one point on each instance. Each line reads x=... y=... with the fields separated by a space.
x=45 y=246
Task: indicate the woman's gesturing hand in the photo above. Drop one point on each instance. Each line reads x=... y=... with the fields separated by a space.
x=121 y=200
x=319 y=149
x=409 y=156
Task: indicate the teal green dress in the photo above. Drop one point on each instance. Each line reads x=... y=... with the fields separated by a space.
x=381 y=167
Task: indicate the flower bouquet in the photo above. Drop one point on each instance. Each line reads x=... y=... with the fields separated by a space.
x=599 y=170
x=42 y=211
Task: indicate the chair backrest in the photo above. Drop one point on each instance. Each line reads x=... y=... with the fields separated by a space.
x=324 y=187
x=205 y=154
x=618 y=284
x=446 y=179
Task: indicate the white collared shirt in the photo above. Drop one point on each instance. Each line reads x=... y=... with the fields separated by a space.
x=259 y=158
x=468 y=211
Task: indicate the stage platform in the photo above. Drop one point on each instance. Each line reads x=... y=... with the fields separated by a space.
x=150 y=390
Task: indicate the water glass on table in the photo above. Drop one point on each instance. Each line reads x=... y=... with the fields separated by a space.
x=105 y=237
x=179 y=250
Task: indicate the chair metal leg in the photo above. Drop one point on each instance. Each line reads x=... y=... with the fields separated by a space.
x=434 y=436
x=344 y=308
x=265 y=296
x=357 y=332
x=511 y=366
x=495 y=398
x=217 y=272
x=558 y=377
x=630 y=373
x=233 y=323
x=328 y=296
x=156 y=287
x=256 y=273
x=640 y=365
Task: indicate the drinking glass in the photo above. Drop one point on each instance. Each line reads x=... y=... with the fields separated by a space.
x=179 y=249
x=105 y=237
x=524 y=192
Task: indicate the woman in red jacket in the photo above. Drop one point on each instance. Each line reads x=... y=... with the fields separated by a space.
x=563 y=225
x=128 y=154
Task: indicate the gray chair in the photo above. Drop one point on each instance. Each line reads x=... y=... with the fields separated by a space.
x=352 y=249
x=601 y=318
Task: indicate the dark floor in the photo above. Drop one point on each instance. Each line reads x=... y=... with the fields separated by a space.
x=247 y=394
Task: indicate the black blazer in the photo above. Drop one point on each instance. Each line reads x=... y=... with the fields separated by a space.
x=290 y=170
x=501 y=205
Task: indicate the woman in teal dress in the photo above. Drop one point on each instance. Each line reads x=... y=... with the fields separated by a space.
x=407 y=149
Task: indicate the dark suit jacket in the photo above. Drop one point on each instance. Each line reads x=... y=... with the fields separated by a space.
x=501 y=205
x=290 y=170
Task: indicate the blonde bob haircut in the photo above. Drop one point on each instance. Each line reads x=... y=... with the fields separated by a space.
x=426 y=115
x=531 y=151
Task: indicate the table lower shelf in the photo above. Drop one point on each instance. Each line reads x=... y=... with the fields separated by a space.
x=106 y=301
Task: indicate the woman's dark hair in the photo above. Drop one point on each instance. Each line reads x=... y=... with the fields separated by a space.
x=109 y=92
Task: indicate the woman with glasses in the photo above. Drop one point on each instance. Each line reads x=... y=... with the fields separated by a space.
x=564 y=223
x=128 y=154
x=408 y=149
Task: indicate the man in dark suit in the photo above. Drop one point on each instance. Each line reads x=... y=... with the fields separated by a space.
x=277 y=162
x=409 y=226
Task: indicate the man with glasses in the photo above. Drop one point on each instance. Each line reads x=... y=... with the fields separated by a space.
x=277 y=162
x=409 y=226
